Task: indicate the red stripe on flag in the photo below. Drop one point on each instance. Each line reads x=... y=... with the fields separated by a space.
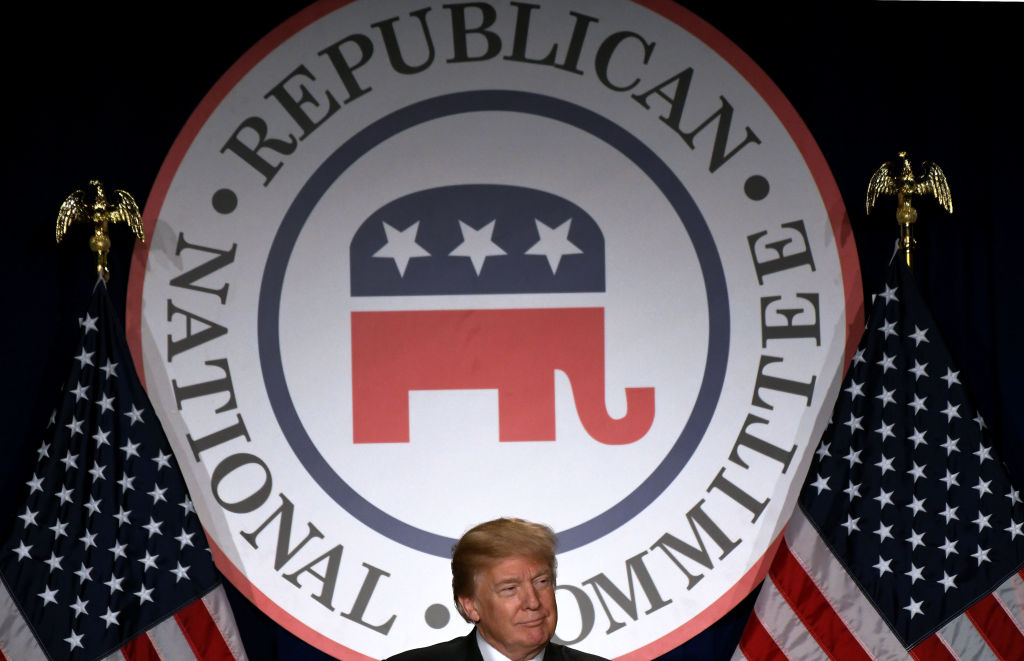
x=140 y=649
x=202 y=633
x=2 y=657
x=994 y=624
x=757 y=643
x=813 y=609
x=931 y=649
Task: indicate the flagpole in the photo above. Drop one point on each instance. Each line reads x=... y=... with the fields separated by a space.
x=899 y=179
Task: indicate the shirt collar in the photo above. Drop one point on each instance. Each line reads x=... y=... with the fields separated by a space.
x=488 y=652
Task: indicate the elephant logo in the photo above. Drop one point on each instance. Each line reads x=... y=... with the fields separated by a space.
x=483 y=239
x=515 y=351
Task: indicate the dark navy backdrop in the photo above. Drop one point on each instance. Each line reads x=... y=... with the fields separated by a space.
x=102 y=91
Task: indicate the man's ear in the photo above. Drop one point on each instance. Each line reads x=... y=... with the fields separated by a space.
x=469 y=608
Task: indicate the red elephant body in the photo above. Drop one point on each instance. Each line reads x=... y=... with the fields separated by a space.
x=515 y=351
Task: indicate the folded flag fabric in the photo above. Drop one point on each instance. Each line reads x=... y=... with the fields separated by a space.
x=908 y=539
x=107 y=557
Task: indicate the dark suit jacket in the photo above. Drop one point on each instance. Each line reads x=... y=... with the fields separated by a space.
x=465 y=649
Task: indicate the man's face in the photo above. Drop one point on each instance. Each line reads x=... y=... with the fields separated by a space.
x=513 y=605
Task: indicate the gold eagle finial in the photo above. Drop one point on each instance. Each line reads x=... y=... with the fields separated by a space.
x=101 y=212
x=899 y=179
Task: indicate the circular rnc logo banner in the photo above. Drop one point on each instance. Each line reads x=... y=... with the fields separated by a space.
x=419 y=265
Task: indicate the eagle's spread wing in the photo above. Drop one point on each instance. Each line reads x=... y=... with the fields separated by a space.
x=73 y=209
x=934 y=181
x=882 y=183
x=127 y=211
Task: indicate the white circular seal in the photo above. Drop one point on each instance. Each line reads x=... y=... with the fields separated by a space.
x=417 y=266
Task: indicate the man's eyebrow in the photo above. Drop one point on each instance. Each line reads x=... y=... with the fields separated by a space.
x=512 y=580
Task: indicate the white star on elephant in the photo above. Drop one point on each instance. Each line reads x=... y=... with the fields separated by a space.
x=477 y=245
x=554 y=243
x=401 y=246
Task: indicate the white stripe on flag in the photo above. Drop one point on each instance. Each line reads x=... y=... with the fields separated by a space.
x=785 y=628
x=857 y=613
x=963 y=640
x=170 y=642
x=220 y=611
x=1011 y=596
x=16 y=638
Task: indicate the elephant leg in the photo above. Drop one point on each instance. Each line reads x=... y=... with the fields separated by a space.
x=526 y=406
x=380 y=380
x=379 y=415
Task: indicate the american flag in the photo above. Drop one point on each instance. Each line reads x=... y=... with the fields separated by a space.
x=909 y=536
x=107 y=558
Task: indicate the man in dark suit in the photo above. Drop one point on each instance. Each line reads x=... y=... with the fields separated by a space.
x=503 y=579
